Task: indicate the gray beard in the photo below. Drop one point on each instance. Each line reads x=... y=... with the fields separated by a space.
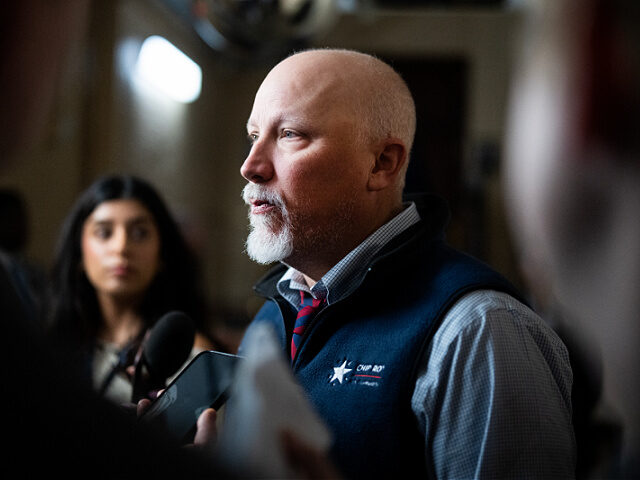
x=264 y=245
x=272 y=236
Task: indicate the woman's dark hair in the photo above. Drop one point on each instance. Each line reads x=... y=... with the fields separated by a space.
x=75 y=315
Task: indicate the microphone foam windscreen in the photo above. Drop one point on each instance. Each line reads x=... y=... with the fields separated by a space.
x=169 y=344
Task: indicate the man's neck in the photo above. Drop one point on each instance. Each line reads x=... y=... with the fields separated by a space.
x=310 y=281
x=314 y=265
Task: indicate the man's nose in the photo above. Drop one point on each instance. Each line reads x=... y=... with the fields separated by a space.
x=258 y=166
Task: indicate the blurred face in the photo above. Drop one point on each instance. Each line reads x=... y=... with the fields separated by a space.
x=574 y=208
x=550 y=171
x=120 y=249
x=307 y=168
x=574 y=199
x=558 y=211
x=538 y=132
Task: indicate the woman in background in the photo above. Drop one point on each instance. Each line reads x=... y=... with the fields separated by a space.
x=121 y=263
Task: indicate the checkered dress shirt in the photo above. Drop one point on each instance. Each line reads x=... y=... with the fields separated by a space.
x=492 y=396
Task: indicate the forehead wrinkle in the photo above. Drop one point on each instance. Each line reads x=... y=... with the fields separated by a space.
x=265 y=120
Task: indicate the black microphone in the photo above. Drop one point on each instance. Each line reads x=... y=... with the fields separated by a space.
x=165 y=350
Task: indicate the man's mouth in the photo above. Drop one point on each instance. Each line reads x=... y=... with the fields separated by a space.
x=261 y=201
x=259 y=207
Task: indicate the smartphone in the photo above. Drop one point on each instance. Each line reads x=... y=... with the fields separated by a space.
x=203 y=383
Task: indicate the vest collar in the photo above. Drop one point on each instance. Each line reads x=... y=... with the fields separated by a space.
x=434 y=214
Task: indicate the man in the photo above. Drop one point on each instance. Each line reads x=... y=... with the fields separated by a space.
x=573 y=182
x=420 y=359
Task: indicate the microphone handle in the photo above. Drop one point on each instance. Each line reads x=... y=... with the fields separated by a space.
x=144 y=382
x=139 y=389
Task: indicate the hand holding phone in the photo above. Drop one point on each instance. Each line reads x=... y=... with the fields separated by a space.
x=203 y=383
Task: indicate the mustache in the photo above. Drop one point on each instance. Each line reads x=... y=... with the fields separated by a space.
x=253 y=192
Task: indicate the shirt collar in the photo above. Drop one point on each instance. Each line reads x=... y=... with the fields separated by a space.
x=346 y=275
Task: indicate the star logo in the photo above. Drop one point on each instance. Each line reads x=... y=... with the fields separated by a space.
x=339 y=372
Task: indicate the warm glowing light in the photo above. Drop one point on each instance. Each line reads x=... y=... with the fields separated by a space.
x=162 y=66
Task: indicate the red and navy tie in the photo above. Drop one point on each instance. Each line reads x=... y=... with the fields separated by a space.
x=310 y=306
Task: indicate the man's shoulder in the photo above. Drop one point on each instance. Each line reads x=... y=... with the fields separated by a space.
x=486 y=300
x=493 y=314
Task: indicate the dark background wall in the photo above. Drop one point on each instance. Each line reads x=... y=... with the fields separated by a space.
x=456 y=61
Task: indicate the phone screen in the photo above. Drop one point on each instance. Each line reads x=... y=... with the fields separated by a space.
x=203 y=383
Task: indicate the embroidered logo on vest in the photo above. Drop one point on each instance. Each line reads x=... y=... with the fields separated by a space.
x=349 y=371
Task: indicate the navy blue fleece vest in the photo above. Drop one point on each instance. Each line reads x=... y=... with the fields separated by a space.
x=357 y=359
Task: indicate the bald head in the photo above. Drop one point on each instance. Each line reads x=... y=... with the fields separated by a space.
x=367 y=89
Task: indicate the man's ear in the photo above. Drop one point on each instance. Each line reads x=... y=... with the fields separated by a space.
x=388 y=164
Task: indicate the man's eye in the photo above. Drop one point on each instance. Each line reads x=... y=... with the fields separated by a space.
x=289 y=134
x=253 y=137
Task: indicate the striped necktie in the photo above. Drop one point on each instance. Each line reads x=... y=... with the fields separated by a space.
x=309 y=307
